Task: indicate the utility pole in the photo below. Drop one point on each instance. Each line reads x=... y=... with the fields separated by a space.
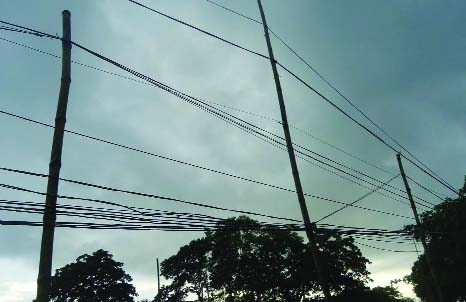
x=310 y=231
x=158 y=277
x=421 y=230
x=48 y=229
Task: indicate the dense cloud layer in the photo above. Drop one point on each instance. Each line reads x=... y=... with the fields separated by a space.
x=401 y=62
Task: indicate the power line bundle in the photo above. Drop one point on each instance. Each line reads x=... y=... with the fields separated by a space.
x=269 y=137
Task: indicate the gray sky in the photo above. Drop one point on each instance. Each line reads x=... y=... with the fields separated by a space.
x=402 y=62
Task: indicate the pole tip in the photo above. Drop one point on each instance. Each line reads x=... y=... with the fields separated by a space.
x=66 y=13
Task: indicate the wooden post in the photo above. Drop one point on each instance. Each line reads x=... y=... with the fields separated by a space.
x=294 y=168
x=48 y=229
x=421 y=230
x=158 y=277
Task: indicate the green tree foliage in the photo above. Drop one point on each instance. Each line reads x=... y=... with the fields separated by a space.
x=247 y=262
x=446 y=242
x=92 y=278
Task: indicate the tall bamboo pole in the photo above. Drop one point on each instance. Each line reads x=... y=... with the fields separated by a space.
x=48 y=229
x=310 y=232
x=422 y=233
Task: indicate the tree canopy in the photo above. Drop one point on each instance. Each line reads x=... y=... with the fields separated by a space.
x=377 y=294
x=96 y=278
x=446 y=242
x=243 y=261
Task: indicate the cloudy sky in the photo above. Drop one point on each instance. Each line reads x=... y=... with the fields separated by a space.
x=402 y=62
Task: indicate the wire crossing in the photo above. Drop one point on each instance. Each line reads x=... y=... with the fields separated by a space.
x=333 y=87
x=191 y=164
x=289 y=71
x=199 y=29
x=436 y=194
x=237 y=122
x=198 y=166
x=155 y=196
x=163 y=85
x=358 y=200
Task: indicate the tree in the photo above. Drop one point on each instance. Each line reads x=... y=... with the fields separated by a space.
x=92 y=278
x=377 y=294
x=188 y=270
x=244 y=261
x=171 y=293
x=446 y=241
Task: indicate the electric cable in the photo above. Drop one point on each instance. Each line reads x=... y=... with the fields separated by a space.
x=443 y=181
x=145 y=77
x=155 y=196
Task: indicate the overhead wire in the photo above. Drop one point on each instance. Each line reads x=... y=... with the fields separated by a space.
x=149 y=78
x=440 y=180
x=211 y=102
x=278 y=63
x=348 y=116
x=436 y=194
x=188 y=221
x=202 y=167
x=152 y=196
x=383 y=249
x=41 y=34
x=364 y=127
x=250 y=124
x=183 y=96
x=149 y=215
x=199 y=29
x=357 y=200
x=235 y=12
x=223 y=115
x=159 y=217
x=127 y=226
x=233 y=119
x=197 y=166
x=155 y=196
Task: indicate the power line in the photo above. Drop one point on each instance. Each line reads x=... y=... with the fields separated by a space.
x=362 y=126
x=237 y=13
x=281 y=65
x=207 y=101
x=155 y=196
x=161 y=218
x=222 y=115
x=188 y=222
x=152 y=196
x=163 y=221
x=152 y=214
x=242 y=120
x=441 y=180
x=436 y=194
x=27 y=30
x=199 y=29
x=126 y=226
x=190 y=99
x=184 y=219
x=357 y=200
x=150 y=153
x=41 y=34
x=184 y=96
x=198 y=166
x=20 y=31
x=383 y=249
x=249 y=131
x=402 y=240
